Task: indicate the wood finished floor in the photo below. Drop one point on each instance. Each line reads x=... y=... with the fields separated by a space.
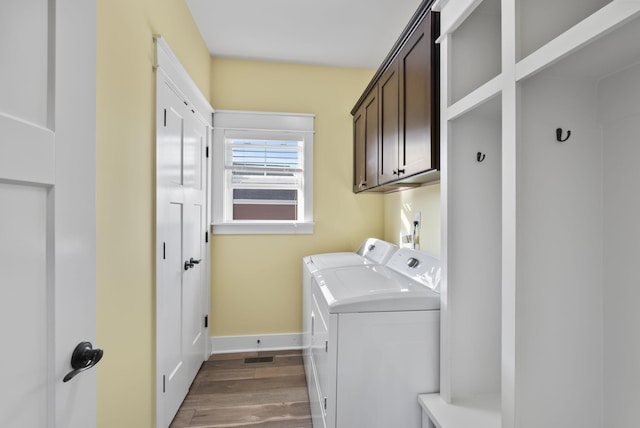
x=228 y=392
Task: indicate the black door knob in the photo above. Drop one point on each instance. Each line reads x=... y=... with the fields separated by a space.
x=83 y=358
x=194 y=262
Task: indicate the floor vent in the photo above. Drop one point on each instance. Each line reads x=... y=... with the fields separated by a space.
x=254 y=360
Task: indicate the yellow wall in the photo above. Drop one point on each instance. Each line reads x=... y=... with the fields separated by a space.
x=264 y=296
x=399 y=212
x=258 y=299
x=125 y=195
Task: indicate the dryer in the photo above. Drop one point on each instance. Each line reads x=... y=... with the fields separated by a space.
x=372 y=251
x=375 y=342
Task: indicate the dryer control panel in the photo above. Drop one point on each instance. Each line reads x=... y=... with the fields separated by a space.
x=417 y=265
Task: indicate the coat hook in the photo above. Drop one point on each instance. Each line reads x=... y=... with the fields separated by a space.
x=559 y=135
x=480 y=156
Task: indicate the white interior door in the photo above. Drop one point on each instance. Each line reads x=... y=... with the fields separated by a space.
x=47 y=211
x=181 y=228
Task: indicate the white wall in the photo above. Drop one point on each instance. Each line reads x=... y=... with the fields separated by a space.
x=620 y=113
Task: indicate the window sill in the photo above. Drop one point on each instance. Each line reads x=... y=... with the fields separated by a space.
x=263 y=228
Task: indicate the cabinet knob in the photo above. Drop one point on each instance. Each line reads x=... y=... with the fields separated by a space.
x=395 y=172
x=400 y=171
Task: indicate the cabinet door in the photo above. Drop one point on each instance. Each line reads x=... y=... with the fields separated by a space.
x=418 y=62
x=371 y=132
x=366 y=143
x=359 y=151
x=389 y=113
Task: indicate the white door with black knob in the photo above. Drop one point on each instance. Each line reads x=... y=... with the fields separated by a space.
x=47 y=213
x=181 y=235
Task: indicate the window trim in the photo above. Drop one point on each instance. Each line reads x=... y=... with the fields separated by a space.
x=260 y=123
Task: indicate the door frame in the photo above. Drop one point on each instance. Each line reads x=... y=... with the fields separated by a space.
x=169 y=68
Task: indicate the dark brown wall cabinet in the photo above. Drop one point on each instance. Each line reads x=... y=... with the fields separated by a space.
x=396 y=139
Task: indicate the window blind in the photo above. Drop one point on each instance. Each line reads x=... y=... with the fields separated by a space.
x=265 y=163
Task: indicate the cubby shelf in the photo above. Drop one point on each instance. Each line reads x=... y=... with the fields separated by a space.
x=480 y=32
x=477 y=412
x=601 y=42
x=538 y=284
x=476 y=98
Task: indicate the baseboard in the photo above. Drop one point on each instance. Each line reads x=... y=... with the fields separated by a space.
x=253 y=343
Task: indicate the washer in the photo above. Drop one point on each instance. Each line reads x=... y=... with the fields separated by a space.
x=375 y=342
x=372 y=251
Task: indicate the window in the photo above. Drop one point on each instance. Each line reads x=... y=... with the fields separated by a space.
x=265 y=178
x=263 y=172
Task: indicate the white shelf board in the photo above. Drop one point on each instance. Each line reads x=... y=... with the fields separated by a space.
x=479 y=96
x=438 y=5
x=478 y=412
x=456 y=13
x=608 y=19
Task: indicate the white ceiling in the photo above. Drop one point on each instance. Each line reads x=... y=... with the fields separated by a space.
x=346 y=33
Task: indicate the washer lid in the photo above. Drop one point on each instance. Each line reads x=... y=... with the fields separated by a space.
x=319 y=262
x=371 y=251
x=373 y=289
